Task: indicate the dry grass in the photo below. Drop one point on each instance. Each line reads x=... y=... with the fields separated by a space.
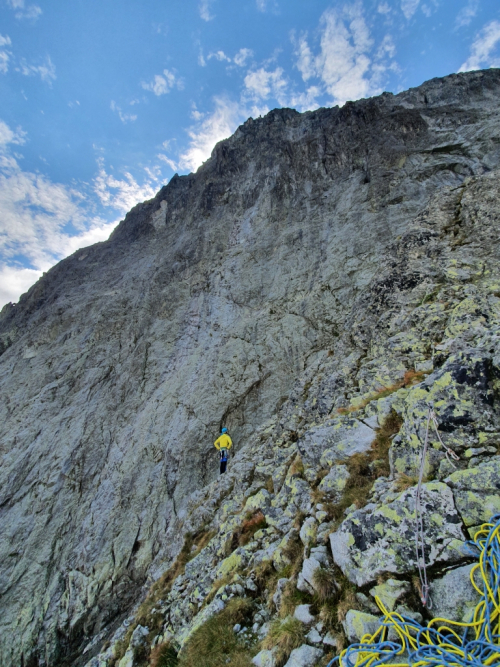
x=405 y=481
x=251 y=524
x=270 y=485
x=284 y=636
x=324 y=584
x=410 y=379
x=297 y=468
x=164 y=655
x=364 y=468
x=218 y=583
x=214 y=644
x=291 y=598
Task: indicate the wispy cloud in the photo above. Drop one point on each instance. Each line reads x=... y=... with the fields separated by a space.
x=484 y=51
x=122 y=193
x=214 y=127
x=5 y=54
x=466 y=14
x=46 y=71
x=383 y=8
x=242 y=56
x=124 y=117
x=348 y=64
x=265 y=5
x=24 y=11
x=262 y=84
x=204 y=9
x=163 y=83
x=409 y=7
x=220 y=56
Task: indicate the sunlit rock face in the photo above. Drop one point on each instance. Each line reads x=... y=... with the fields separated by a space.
x=207 y=306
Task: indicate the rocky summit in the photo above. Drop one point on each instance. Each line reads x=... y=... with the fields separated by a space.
x=322 y=282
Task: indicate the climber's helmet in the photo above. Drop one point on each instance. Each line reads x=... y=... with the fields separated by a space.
x=224 y=430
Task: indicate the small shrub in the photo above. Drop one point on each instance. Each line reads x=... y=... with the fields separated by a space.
x=270 y=485
x=164 y=655
x=284 y=636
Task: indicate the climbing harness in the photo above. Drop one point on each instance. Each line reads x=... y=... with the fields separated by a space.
x=419 y=521
x=442 y=643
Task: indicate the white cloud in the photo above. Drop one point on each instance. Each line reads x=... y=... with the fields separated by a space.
x=163 y=83
x=164 y=158
x=123 y=193
x=483 y=48
x=242 y=56
x=24 y=11
x=15 y=281
x=41 y=221
x=383 y=8
x=46 y=70
x=8 y=136
x=261 y=84
x=4 y=61
x=213 y=128
x=124 y=117
x=219 y=55
x=5 y=41
x=466 y=14
x=409 y=7
x=348 y=64
x=204 y=9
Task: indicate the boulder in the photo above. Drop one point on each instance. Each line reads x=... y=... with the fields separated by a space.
x=334 y=483
x=380 y=539
x=476 y=491
x=305 y=656
x=265 y=659
x=303 y=614
x=357 y=624
x=308 y=531
x=390 y=592
x=279 y=592
x=453 y=595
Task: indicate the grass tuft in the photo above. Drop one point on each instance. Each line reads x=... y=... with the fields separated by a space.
x=214 y=644
x=324 y=584
x=251 y=524
x=164 y=655
x=405 y=481
x=297 y=468
x=284 y=636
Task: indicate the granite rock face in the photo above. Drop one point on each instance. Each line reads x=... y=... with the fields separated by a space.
x=314 y=260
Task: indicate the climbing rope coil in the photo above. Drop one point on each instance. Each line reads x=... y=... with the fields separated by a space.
x=443 y=642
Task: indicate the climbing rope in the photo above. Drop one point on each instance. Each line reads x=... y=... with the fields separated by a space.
x=442 y=643
x=419 y=521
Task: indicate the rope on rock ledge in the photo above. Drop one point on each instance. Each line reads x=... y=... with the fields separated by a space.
x=442 y=643
x=419 y=521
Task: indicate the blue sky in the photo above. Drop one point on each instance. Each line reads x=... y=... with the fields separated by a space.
x=101 y=102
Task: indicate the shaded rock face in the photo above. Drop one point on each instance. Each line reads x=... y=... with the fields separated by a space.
x=221 y=301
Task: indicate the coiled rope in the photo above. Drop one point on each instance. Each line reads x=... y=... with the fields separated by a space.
x=442 y=643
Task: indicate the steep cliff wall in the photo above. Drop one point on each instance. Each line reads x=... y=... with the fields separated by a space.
x=269 y=289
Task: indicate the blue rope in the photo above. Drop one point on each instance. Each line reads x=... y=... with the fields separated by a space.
x=450 y=644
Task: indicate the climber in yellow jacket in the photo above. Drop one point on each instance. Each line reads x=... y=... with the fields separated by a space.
x=223 y=444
